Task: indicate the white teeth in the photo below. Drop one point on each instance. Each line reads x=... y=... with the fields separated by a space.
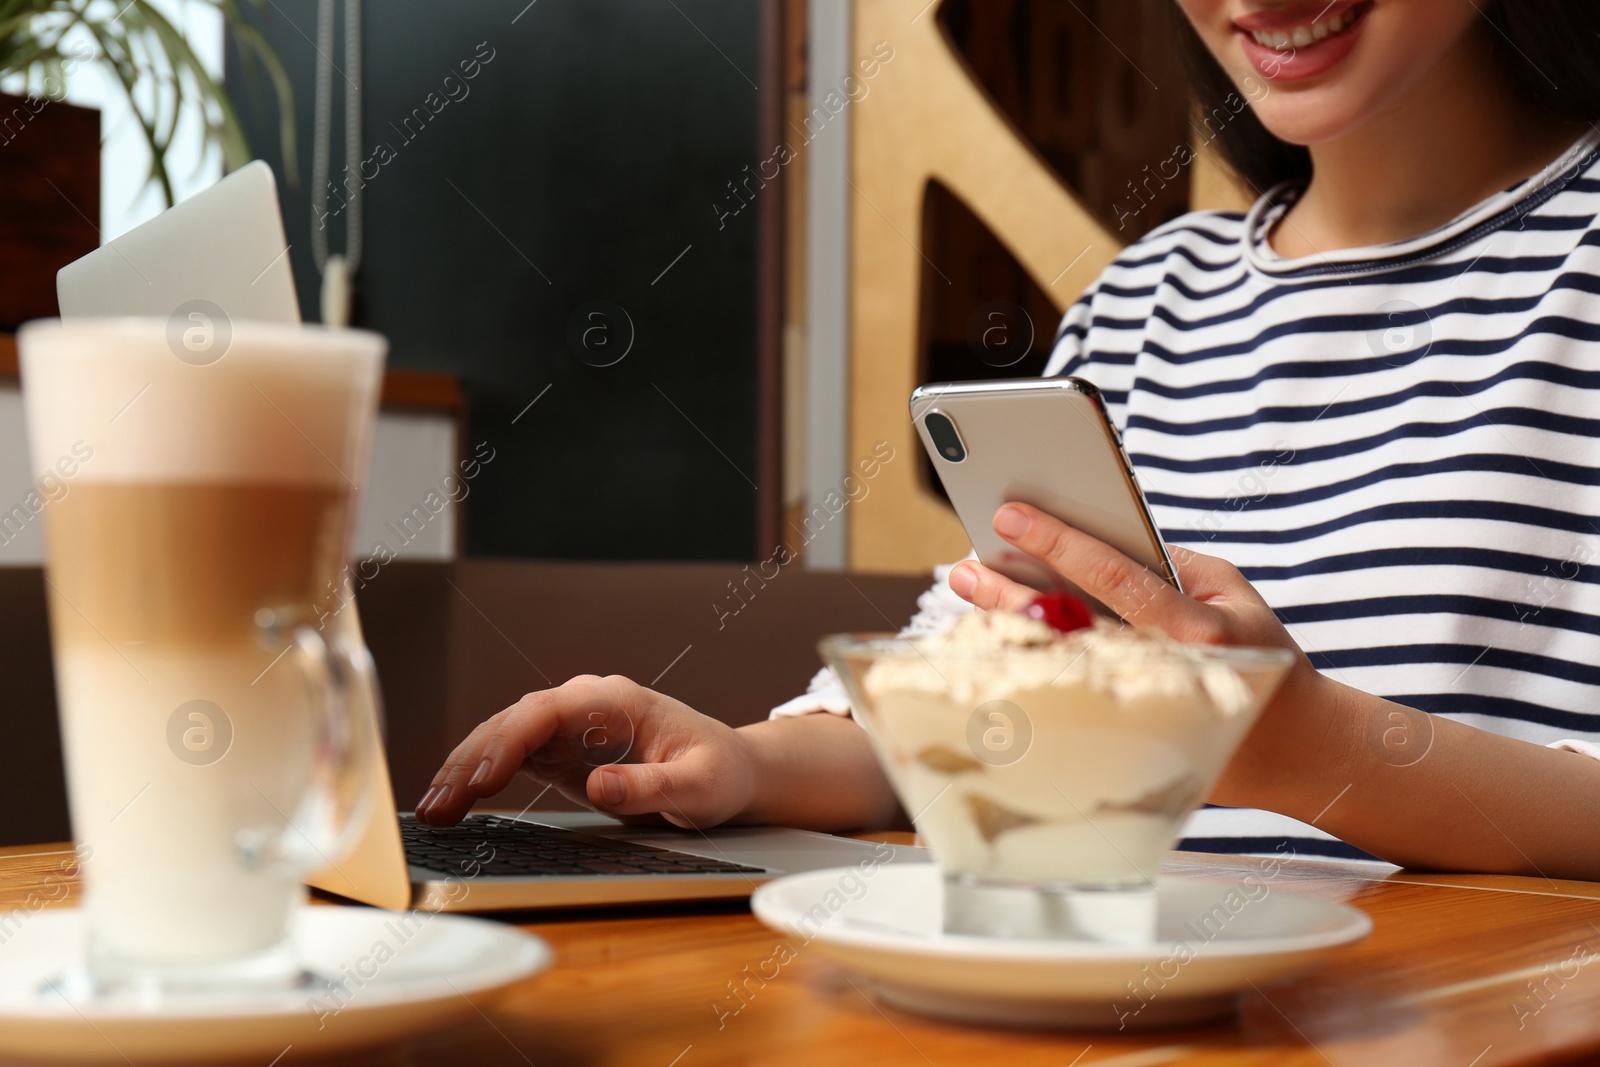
x=1302 y=36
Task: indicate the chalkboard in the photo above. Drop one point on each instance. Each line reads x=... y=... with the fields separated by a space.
x=546 y=188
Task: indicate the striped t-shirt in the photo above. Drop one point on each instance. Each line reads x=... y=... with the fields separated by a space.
x=1398 y=445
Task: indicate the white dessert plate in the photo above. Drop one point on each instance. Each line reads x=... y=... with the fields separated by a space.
x=1214 y=939
x=406 y=973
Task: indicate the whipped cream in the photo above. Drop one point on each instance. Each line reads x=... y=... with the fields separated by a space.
x=992 y=655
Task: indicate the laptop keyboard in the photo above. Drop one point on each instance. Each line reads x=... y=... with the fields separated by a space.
x=500 y=846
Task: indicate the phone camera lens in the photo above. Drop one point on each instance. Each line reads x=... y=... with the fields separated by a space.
x=945 y=437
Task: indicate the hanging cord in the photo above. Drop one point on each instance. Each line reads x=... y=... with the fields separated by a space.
x=336 y=283
x=352 y=130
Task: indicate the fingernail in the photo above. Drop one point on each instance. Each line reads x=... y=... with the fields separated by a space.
x=427 y=799
x=613 y=790
x=963 y=582
x=1011 y=523
x=443 y=799
x=481 y=775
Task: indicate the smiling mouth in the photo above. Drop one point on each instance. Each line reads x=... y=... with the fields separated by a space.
x=1310 y=33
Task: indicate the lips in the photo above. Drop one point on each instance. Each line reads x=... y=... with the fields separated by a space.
x=1301 y=40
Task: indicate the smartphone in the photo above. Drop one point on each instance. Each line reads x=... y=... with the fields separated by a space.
x=1041 y=441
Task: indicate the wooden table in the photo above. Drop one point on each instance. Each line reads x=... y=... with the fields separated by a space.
x=1460 y=971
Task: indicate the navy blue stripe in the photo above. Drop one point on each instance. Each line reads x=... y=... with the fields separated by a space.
x=1374 y=319
x=1539 y=420
x=1317 y=369
x=1182 y=286
x=1283 y=847
x=1416 y=277
x=1165 y=254
x=1129 y=292
x=1444 y=652
x=1101 y=357
x=1449 y=270
x=1072 y=365
x=1444 y=604
x=1545 y=325
x=1172 y=281
x=1556 y=223
x=1492 y=559
x=1200 y=296
x=1399 y=511
x=1523 y=370
x=1571 y=722
x=1569 y=473
x=1106 y=323
x=1188 y=224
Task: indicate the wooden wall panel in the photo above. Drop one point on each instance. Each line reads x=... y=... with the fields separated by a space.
x=925 y=119
x=1083 y=109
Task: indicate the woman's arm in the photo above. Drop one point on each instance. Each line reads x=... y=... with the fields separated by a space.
x=818 y=772
x=1414 y=789
x=614 y=746
x=1435 y=794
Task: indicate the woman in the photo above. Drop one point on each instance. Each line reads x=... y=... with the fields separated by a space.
x=1367 y=400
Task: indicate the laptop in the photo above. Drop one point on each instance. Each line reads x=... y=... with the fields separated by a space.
x=227 y=245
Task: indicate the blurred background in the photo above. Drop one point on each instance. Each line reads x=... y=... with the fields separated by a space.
x=615 y=207
x=669 y=269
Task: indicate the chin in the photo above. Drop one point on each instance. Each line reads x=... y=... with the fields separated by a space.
x=1313 y=118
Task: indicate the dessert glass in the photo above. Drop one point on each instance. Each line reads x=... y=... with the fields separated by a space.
x=1051 y=773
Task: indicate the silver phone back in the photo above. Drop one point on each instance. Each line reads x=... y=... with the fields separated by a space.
x=1045 y=442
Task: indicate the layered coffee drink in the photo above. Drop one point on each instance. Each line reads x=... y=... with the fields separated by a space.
x=187 y=560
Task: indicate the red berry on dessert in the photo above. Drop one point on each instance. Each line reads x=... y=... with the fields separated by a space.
x=1062 y=612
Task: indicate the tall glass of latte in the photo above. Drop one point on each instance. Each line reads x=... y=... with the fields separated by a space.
x=198 y=482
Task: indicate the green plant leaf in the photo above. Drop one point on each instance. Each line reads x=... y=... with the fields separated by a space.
x=149 y=57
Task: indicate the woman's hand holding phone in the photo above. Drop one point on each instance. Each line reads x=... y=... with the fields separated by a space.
x=1220 y=608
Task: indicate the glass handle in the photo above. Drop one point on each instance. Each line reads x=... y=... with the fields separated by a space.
x=340 y=678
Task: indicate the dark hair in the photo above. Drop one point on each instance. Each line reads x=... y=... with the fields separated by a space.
x=1545 y=48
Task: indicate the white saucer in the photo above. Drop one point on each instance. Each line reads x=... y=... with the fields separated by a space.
x=891 y=934
x=434 y=963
